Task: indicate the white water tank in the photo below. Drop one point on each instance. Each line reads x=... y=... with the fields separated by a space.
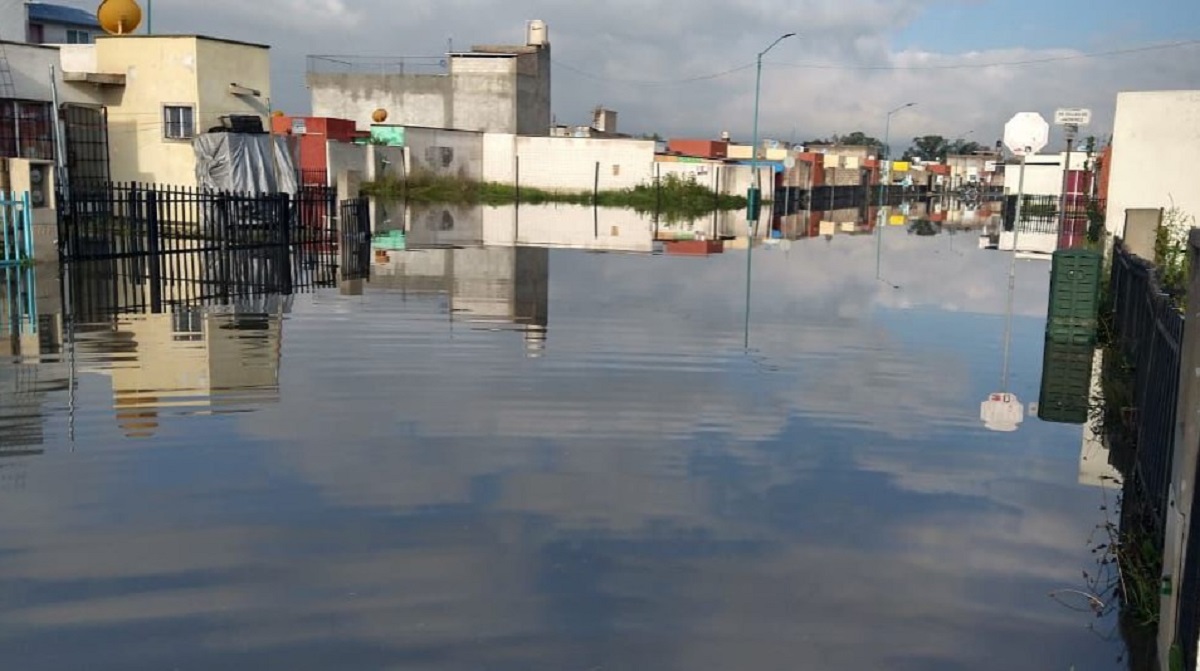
x=536 y=33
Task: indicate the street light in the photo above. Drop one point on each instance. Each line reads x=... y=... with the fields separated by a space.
x=885 y=161
x=754 y=201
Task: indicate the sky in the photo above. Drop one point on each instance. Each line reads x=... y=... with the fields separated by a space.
x=964 y=62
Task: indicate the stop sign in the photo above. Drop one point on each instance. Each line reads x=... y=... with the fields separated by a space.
x=1026 y=133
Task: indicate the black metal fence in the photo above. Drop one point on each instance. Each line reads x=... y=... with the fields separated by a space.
x=1148 y=327
x=145 y=247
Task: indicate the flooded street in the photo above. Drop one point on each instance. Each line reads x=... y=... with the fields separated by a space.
x=539 y=456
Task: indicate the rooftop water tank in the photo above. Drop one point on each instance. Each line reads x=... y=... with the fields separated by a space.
x=536 y=33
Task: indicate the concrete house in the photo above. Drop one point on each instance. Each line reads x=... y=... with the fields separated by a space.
x=491 y=88
x=161 y=91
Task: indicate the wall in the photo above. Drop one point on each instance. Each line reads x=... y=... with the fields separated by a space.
x=419 y=100
x=12 y=20
x=56 y=33
x=342 y=156
x=569 y=164
x=1043 y=173
x=483 y=94
x=445 y=152
x=573 y=226
x=499 y=150
x=30 y=66
x=1156 y=139
x=533 y=92
x=220 y=63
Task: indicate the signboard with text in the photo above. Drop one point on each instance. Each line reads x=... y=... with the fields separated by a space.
x=1072 y=116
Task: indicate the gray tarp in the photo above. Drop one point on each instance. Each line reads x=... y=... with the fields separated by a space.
x=241 y=162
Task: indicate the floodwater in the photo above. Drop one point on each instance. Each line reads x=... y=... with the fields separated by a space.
x=521 y=457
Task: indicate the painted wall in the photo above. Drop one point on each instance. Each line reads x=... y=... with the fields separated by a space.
x=56 y=33
x=499 y=151
x=1156 y=139
x=12 y=20
x=484 y=93
x=569 y=164
x=1043 y=173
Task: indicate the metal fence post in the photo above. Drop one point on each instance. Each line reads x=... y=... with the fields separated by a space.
x=285 y=253
x=153 y=249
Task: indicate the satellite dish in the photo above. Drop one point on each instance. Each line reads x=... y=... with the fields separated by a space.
x=119 y=17
x=379 y=116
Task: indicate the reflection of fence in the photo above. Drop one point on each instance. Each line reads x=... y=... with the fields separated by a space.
x=1149 y=329
x=16 y=231
x=1044 y=214
x=134 y=247
x=378 y=65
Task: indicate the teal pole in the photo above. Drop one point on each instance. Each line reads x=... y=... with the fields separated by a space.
x=754 y=199
x=149 y=17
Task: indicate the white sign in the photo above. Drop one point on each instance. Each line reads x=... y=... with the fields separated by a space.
x=299 y=127
x=1026 y=133
x=1072 y=116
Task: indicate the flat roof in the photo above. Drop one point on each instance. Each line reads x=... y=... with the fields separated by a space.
x=10 y=43
x=194 y=37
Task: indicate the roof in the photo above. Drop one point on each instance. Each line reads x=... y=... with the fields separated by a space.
x=44 y=12
x=188 y=36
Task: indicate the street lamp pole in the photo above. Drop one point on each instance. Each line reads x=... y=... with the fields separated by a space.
x=754 y=201
x=885 y=162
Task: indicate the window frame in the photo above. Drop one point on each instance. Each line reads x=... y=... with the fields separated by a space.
x=185 y=133
x=80 y=36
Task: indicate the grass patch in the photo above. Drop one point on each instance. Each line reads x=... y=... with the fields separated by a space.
x=673 y=196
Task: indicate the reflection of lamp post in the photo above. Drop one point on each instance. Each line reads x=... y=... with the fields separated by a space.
x=753 y=203
x=886 y=156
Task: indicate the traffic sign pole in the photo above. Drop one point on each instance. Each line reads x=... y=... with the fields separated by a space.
x=1012 y=274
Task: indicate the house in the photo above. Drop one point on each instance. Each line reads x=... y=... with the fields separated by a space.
x=59 y=24
x=161 y=91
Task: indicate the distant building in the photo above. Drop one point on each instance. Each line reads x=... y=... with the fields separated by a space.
x=496 y=89
x=60 y=24
x=12 y=21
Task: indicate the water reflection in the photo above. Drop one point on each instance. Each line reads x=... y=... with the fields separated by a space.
x=414 y=491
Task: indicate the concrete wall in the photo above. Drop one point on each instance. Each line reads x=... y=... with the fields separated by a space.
x=499 y=90
x=218 y=64
x=499 y=152
x=1156 y=141
x=12 y=20
x=484 y=94
x=30 y=66
x=445 y=152
x=419 y=100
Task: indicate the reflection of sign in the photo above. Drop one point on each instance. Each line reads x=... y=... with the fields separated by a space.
x=391 y=136
x=989 y=166
x=900 y=166
x=1002 y=412
x=1026 y=133
x=1072 y=116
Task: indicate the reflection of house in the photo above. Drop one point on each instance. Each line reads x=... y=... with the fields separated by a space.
x=194 y=358
x=482 y=284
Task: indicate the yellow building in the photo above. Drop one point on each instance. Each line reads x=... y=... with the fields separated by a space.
x=163 y=90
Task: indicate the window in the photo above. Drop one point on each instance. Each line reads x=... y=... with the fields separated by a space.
x=179 y=122
x=79 y=37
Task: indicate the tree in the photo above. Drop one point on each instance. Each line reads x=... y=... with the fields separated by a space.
x=929 y=147
x=855 y=139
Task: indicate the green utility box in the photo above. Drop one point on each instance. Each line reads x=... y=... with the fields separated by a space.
x=1074 y=296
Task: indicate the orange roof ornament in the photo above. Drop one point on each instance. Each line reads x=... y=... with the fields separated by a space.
x=119 y=17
